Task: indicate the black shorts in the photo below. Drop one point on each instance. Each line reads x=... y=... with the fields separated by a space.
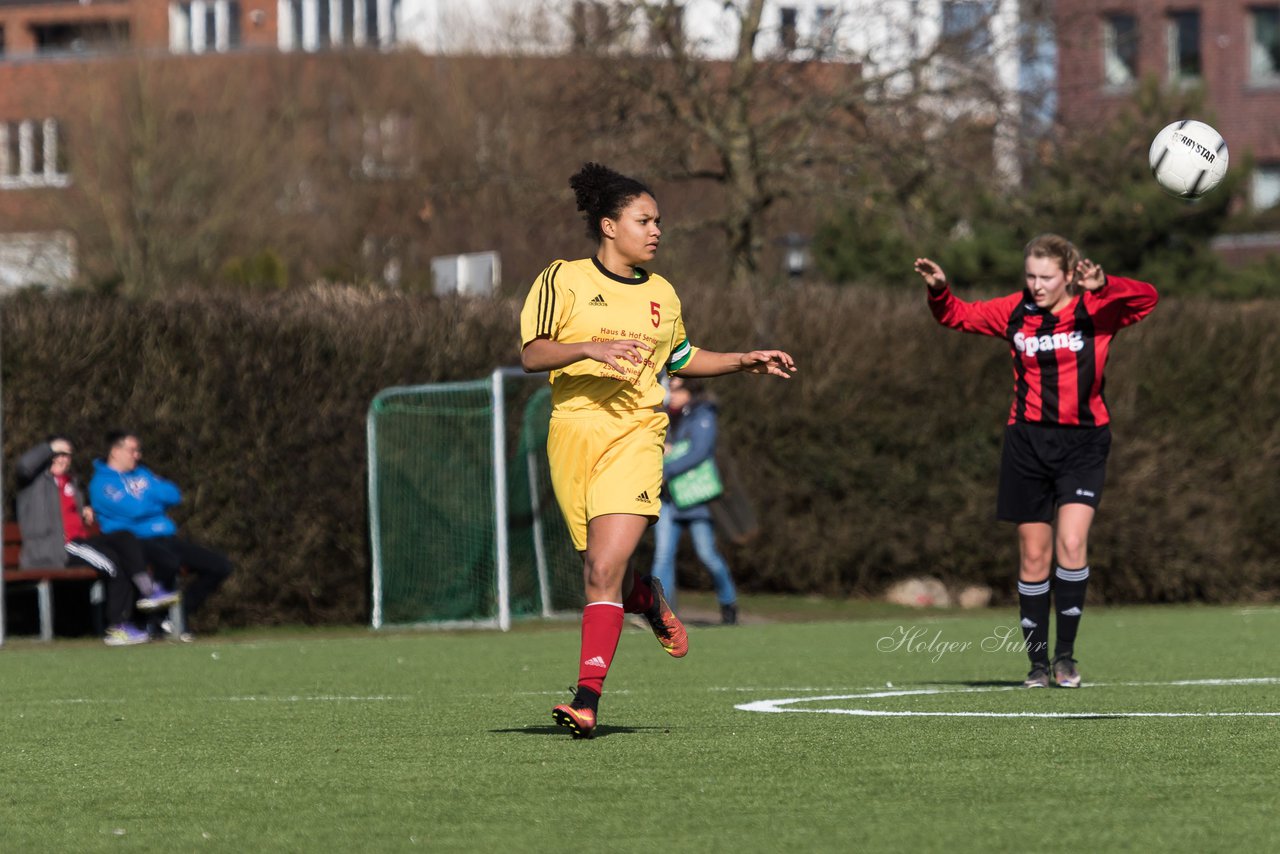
x=1044 y=467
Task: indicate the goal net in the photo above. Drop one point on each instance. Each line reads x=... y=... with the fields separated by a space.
x=465 y=530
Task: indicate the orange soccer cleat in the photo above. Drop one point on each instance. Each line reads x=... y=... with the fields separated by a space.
x=666 y=626
x=580 y=722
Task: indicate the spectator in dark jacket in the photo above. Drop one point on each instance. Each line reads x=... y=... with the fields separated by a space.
x=691 y=448
x=58 y=531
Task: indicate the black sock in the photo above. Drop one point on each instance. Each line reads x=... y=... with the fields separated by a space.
x=1033 y=611
x=1068 y=597
x=586 y=699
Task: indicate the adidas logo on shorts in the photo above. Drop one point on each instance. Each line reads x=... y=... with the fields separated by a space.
x=599 y=300
x=643 y=497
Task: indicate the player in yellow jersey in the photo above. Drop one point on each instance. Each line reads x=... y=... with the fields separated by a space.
x=605 y=328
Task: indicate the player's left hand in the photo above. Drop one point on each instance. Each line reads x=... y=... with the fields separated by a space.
x=1089 y=275
x=774 y=362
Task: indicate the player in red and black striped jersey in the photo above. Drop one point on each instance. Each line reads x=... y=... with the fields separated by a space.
x=1053 y=465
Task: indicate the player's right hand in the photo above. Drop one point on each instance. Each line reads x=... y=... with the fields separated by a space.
x=610 y=352
x=932 y=274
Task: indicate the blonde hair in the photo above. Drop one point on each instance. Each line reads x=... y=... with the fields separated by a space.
x=1059 y=249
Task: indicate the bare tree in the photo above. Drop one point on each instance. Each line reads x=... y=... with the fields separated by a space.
x=169 y=171
x=785 y=116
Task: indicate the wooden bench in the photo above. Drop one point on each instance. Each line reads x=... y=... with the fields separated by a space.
x=43 y=578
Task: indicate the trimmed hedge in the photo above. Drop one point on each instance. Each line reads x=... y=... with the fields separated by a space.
x=876 y=462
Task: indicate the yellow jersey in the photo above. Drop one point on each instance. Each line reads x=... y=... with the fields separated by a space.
x=578 y=301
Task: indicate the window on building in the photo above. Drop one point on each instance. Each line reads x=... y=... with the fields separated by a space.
x=179 y=27
x=346 y=19
x=323 y=23
x=824 y=28
x=966 y=30
x=788 y=27
x=1184 y=46
x=201 y=26
x=1264 y=45
x=315 y=24
x=593 y=24
x=291 y=24
x=666 y=25
x=824 y=19
x=387 y=146
x=1264 y=190
x=371 y=22
x=32 y=154
x=81 y=37
x=1120 y=49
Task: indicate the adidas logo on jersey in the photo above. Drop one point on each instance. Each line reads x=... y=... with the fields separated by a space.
x=599 y=300
x=595 y=661
x=1028 y=623
x=643 y=497
x=1071 y=612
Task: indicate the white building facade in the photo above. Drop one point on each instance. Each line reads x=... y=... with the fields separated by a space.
x=898 y=43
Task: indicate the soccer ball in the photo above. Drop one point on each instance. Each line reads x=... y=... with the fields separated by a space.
x=1188 y=158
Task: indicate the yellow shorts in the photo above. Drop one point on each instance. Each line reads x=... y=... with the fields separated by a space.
x=606 y=462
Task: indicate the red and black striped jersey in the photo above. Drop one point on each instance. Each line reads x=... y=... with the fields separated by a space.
x=1058 y=359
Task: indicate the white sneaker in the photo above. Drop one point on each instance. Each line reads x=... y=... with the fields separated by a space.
x=166 y=626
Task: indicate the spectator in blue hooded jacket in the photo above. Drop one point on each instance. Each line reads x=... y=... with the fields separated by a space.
x=129 y=497
x=691 y=441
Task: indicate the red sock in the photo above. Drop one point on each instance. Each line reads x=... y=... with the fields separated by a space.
x=641 y=597
x=601 y=628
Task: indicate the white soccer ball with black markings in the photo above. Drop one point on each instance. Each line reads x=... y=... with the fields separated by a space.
x=1189 y=158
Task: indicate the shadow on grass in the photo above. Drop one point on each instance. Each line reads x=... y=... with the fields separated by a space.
x=600 y=731
x=973 y=683
x=702 y=624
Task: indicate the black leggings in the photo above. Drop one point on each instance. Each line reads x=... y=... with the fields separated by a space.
x=167 y=556
x=117 y=557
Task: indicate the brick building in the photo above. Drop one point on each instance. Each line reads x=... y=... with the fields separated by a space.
x=54 y=52
x=50 y=48
x=1231 y=48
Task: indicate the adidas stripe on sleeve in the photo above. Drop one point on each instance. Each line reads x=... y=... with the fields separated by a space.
x=544 y=306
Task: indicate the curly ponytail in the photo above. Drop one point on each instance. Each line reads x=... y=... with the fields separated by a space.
x=603 y=193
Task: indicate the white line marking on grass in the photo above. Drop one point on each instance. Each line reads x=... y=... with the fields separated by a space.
x=562 y=692
x=321 y=698
x=294 y=698
x=783 y=688
x=785 y=705
x=74 y=700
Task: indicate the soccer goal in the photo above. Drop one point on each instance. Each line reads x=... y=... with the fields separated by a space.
x=464 y=528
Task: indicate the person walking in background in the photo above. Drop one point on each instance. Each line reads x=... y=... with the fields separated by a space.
x=1056 y=442
x=604 y=327
x=130 y=497
x=57 y=531
x=691 y=482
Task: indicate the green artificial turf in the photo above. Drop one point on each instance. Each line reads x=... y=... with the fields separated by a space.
x=345 y=740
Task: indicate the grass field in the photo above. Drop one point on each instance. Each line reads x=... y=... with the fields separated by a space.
x=343 y=740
